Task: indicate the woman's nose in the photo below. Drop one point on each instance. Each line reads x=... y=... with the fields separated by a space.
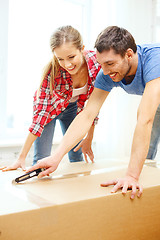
x=67 y=64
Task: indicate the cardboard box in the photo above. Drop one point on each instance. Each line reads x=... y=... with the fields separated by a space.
x=73 y=206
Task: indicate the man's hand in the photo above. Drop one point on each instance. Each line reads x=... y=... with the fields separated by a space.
x=125 y=183
x=48 y=163
x=85 y=144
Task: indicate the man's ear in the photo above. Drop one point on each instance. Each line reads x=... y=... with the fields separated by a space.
x=129 y=53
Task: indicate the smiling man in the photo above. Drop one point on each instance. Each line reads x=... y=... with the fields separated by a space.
x=136 y=69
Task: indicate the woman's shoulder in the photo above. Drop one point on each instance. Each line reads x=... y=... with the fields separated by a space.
x=91 y=60
x=89 y=54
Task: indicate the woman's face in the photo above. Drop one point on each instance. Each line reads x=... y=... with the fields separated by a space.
x=69 y=57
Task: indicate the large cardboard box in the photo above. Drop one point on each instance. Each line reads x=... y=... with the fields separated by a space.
x=72 y=206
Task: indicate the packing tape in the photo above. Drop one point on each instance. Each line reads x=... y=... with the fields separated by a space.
x=20 y=192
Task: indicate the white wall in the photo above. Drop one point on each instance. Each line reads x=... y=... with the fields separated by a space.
x=4 y=10
x=134 y=15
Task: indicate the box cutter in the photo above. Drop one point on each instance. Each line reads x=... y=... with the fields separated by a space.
x=28 y=175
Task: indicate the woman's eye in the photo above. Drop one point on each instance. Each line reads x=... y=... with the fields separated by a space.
x=72 y=57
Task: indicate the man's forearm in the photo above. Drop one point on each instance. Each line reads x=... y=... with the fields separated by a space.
x=76 y=131
x=140 y=148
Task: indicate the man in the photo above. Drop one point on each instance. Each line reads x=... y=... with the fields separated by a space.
x=136 y=69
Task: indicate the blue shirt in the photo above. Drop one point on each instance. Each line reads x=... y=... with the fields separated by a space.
x=148 y=69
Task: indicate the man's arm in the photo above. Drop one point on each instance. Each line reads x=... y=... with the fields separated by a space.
x=76 y=131
x=145 y=117
x=141 y=139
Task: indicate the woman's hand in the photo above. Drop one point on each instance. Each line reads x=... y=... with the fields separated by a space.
x=125 y=183
x=85 y=144
x=49 y=163
x=20 y=163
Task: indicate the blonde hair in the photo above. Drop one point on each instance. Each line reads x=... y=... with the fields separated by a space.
x=62 y=35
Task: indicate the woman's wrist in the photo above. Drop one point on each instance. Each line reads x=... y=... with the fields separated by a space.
x=22 y=156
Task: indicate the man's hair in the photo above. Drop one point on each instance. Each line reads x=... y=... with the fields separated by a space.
x=116 y=38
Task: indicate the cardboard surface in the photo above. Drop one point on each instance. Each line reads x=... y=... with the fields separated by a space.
x=72 y=205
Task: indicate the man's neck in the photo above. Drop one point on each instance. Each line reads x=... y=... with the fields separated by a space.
x=134 y=64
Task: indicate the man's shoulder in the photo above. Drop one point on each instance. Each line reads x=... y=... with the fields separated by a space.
x=147 y=48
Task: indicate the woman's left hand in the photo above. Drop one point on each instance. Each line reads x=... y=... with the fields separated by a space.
x=85 y=144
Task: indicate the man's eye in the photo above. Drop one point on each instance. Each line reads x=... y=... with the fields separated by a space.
x=72 y=57
x=109 y=64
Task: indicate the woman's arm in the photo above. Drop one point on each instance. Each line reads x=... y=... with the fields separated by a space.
x=20 y=163
x=86 y=145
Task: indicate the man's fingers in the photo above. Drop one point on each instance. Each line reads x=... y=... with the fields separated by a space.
x=111 y=182
x=45 y=173
x=116 y=187
x=134 y=191
x=125 y=184
x=140 y=190
x=33 y=168
x=39 y=164
x=125 y=188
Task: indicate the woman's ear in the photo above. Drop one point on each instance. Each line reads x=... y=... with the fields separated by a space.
x=83 y=47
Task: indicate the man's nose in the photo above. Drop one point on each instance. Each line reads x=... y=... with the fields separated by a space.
x=106 y=71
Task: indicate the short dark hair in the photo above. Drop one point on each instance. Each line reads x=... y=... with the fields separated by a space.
x=116 y=38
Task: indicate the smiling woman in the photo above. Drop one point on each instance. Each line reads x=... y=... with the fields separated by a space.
x=28 y=52
x=55 y=98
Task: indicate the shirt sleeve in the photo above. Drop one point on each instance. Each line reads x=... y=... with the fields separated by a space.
x=104 y=82
x=151 y=65
x=41 y=109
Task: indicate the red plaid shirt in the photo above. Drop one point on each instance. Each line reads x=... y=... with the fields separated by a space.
x=49 y=106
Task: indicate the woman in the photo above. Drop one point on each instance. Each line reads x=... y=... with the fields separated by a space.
x=66 y=84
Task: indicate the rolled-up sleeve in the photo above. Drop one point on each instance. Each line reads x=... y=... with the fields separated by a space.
x=41 y=109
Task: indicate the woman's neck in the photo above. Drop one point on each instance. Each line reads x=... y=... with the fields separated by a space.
x=81 y=77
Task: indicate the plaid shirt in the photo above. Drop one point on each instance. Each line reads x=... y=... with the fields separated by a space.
x=48 y=106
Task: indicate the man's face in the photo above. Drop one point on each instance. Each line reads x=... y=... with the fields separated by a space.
x=114 y=65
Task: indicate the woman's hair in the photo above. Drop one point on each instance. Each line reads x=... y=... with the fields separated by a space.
x=116 y=38
x=64 y=34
